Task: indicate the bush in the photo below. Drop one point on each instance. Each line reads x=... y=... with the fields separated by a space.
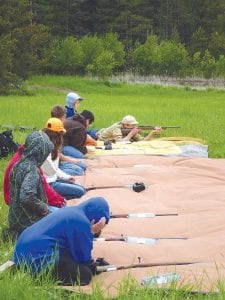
x=64 y=56
x=146 y=58
x=103 y=65
x=92 y=47
x=208 y=65
x=174 y=58
x=111 y=43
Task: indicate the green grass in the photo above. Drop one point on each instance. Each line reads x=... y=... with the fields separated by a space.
x=199 y=113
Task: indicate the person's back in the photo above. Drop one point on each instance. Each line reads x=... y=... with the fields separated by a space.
x=112 y=133
x=28 y=201
x=75 y=135
x=65 y=236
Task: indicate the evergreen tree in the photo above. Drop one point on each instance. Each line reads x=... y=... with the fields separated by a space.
x=22 y=39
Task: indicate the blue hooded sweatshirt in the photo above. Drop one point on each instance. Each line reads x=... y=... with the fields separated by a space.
x=67 y=230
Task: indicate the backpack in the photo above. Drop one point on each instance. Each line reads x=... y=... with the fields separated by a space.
x=7 y=144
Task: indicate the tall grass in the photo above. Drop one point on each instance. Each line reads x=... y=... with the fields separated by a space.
x=199 y=113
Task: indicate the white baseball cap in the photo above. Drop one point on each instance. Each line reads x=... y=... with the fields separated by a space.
x=129 y=120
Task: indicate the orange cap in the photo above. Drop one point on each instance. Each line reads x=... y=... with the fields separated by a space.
x=55 y=124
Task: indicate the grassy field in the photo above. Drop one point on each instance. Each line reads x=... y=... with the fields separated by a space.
x=199 y=113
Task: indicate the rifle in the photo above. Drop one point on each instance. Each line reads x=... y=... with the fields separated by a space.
x=109 y=268
x=149 y=127
x=126 y=131
x=20 y=128
x=140 y=215
x=7 y=265
x=137 y=240
x=136 y=187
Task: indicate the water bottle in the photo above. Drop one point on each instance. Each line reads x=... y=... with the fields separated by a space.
x=141 y=215
x=140 y=240
x=160 y=279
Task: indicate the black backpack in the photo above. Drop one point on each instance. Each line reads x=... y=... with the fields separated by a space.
x=7 y=144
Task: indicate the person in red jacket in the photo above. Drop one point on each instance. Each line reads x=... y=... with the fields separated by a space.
x=54 y=199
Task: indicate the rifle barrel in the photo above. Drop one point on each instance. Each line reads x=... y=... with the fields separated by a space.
x=147 y=127
x=162 y=215
x=103 y=187
x=141 y=215
x=109 y=268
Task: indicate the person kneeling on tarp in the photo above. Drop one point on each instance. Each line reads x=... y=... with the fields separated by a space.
x=61 y=243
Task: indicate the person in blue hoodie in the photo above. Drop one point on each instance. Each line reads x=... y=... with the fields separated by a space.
x=62 y=242
x=72 y=103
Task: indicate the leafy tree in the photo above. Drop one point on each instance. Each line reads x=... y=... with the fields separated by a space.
x=217 y=44
x=174 y=58
x=208 y=65
x=147 y=58
x=199 y=41
x=112 y=44
x=65 y=56
x=92 y=47
x=196 y=64
x=220 y=66
x=103 y=65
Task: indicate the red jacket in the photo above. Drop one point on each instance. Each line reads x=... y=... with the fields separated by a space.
x=53 y=198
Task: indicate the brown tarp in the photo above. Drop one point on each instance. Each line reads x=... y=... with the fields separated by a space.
x=194 y=188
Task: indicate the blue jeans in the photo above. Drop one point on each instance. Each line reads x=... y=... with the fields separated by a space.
x=72 y=152
x=73 y=169
x=68 y=190
x=93 y=133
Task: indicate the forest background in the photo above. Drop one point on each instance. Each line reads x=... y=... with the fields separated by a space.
x=102 y=38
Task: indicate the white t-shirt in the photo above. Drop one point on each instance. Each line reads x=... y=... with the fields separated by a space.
x=51 y=170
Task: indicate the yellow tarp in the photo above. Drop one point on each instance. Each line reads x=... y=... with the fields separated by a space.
x=155 y=147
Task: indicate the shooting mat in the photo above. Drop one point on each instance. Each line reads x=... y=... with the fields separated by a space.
x=192 y=187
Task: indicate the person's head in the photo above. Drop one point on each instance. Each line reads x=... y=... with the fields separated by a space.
x=129 y=122
x=58 y=111
x=55 y=130
x=73 y=100
x=89 y=117
x=95 y=208
x=37 y=147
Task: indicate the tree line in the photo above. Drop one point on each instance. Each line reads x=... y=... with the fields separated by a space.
x=104 y=37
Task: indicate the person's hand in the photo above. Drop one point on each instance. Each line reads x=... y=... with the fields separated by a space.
x=64 y=202
x=97 y=227
x=75 y=161
x=72 y=179
x=157 y=130
x=134 y=131
x=45 y=212
x=93 y=267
